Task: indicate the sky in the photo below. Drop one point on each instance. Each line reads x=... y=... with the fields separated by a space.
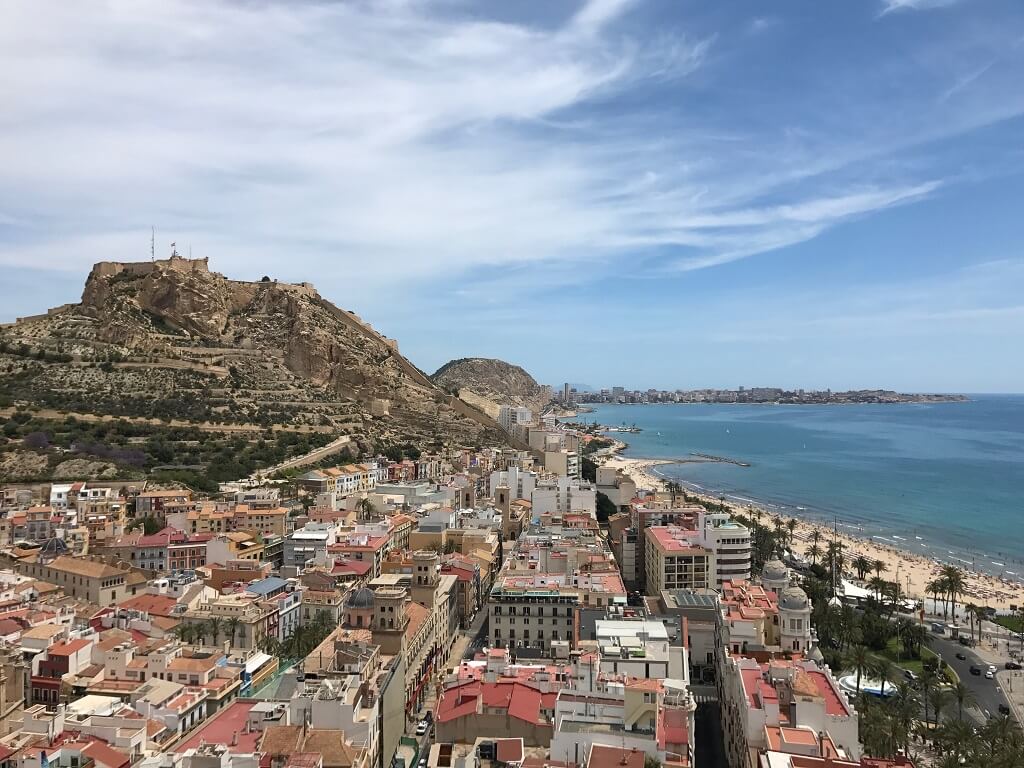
x=670 y=194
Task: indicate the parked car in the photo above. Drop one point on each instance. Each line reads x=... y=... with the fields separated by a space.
x=421 y=727
x=961 y=655
x=909 y=675
x=975 y=669
x=1013 y=665
x=965 y=641
x=989 y=674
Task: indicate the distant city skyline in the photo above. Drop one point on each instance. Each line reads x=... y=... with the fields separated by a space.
x=681 y=195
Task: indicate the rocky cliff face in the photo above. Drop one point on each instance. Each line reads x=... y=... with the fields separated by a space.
x=488 y=384
x=262 y=351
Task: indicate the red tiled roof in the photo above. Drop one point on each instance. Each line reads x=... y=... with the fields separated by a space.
x=833 y=704
x=510 y=750
x=106 y=755
x=522 y=701
x=358 y=567
x=68 y=648
x=222 y=727
x=157 y=605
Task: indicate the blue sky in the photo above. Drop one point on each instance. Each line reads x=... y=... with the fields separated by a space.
x=674 y=194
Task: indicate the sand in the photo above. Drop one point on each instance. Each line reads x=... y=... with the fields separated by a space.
x=914 y=571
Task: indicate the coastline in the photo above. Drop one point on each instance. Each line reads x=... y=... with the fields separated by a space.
x=915 y=571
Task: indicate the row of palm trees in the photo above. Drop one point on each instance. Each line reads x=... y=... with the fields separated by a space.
x=894 y=725
x=213 y=630
x=304 y=638
x=949 y=585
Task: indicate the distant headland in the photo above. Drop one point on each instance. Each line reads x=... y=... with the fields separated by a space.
x=765 y=395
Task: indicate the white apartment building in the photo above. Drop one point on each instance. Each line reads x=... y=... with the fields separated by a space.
x=731 y=544
x=519 y=482
x=511 y=415
x=640 y=648
x=558 y=495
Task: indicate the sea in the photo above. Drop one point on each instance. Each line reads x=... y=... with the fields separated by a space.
x=945 y=480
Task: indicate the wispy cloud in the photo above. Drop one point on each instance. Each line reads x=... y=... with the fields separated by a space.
x=415 y=149
x=286 y=136
x=891 y=6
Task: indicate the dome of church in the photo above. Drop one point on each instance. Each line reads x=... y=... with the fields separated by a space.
x=793 y=599
x=776 y=570
x=362 y=598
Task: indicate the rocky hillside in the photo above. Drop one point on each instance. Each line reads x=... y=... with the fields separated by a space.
x=489 y=384
x=172 y=340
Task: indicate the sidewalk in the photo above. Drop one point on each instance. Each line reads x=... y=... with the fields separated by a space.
x=1012 y=684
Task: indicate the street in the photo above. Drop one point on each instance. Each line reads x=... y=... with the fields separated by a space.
x=987 y=693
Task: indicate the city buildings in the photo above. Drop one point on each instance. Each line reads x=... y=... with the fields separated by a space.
x=675 y=559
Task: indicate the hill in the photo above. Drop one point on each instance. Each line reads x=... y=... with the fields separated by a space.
x=170 y=344
x=488 y=384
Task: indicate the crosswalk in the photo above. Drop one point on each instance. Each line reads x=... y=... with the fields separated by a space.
x=704 y=694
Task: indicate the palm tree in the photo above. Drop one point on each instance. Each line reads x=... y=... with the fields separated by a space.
x=182 y=632
x=269 y=645
x=215 y=626
x=877 y=585
x=941 y=698
x=929 y=683
x=882 y=669
x=859 y=660
x=879 y=567
x=861 y=565
x=365 y=508
x=814 y=552
x=963 y=697
x=905 y=705
x=934 y=588
x=791 y=525
x=955 y=584
x=233 y=624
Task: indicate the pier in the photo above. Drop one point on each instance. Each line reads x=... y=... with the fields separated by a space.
x=720 y=459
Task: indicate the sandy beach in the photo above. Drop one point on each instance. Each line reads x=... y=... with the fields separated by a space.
x=915 y=571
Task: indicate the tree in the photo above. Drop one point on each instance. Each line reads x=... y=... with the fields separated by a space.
x=877 y=585
x=366 y=508
x=963 y=697
x=214 y=624
x=233 y=624
x=882 y=669
x=791 y=526
x=934 y=588
x=183 y=632
x=928 y=683
x=814 y=552
x=955 y=584
x=861 y=565
x=605 y=508
x=859 y=660
x=880 y=566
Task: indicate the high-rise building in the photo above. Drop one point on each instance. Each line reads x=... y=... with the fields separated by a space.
x=566 y=393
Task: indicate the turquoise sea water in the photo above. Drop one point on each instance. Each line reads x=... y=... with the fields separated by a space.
x=944 y=479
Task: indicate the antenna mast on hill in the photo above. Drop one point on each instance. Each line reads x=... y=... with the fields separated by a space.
x=152 y=244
